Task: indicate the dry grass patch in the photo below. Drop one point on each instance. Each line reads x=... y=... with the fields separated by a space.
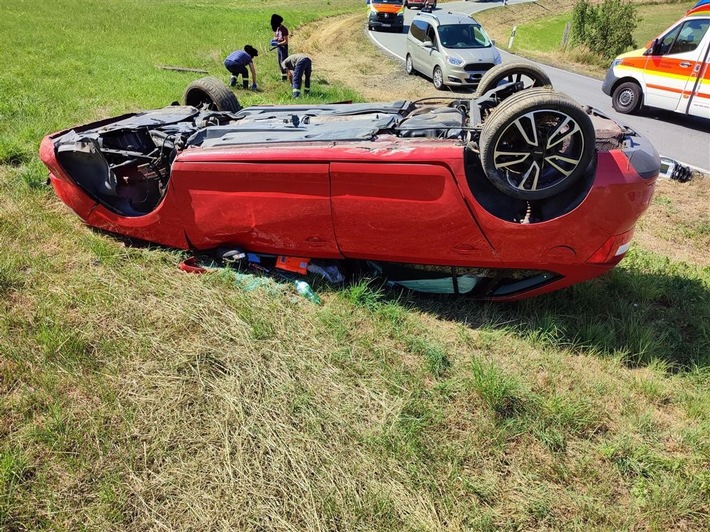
x=677 y=223
x=357 y=63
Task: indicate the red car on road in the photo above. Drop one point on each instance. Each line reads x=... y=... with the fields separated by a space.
x=411 y=4
x=512 y=192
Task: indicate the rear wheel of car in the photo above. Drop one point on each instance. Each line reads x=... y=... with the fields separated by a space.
x=438 y=78
x=213 y=94
x=529 y=74
x=408 y=65
x=536 y=144
x=627 y=98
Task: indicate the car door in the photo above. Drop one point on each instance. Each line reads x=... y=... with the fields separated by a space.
x=697 y=89
x=259 y=204
x=404 y=212
x=674 y=64
x=418 y=30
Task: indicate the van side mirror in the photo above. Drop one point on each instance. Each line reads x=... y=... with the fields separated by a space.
x=655 y=48
x=428 y=44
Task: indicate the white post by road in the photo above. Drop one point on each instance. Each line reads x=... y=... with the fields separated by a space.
x=512 y=36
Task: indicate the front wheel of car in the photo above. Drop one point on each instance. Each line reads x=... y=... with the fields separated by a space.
x=408 y=65
x=627 y=98
x=528 y=74
x=438 y=79
x=210 y=92
x=536 y=144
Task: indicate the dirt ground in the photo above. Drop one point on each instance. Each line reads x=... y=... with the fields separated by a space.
x=342 y=52
x=677 y=223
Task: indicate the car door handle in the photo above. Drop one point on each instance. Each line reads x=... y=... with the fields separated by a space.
x=685 y=64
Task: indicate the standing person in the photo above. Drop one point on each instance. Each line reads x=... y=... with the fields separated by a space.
x=280 y=41
x=298 y=67
x=237 y=63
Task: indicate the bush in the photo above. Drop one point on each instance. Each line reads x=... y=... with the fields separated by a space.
x=607 y=28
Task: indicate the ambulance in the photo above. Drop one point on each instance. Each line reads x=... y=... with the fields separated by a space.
x=385 y=15
x=670 y=73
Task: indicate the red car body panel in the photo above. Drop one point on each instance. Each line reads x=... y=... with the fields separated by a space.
x=391 y=199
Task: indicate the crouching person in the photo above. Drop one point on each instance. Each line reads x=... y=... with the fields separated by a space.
x=299 y=72
x=237 y=63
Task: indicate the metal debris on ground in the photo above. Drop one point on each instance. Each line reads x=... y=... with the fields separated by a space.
x=674 y=170
x=251 y=271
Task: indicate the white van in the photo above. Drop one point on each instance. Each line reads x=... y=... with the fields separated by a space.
x=670 y=73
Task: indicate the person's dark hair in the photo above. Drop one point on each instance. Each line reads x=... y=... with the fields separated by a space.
x=251 y=50
x=276 y=21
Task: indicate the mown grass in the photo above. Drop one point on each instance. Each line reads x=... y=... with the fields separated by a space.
x=133 y=396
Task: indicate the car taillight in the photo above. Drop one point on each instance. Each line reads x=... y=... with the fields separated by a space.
x=613 y=249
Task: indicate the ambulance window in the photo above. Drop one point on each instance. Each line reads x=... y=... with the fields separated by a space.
x=667 y=41
x=689 y=37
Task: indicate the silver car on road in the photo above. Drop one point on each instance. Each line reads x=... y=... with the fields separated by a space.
x=450 y=48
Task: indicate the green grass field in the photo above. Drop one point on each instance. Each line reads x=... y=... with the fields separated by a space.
x=134 y=396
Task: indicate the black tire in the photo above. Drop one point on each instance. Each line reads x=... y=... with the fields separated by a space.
x=531 y=75
x=627 y=98
x=437 y=79
x=536 y=144
x=213 y=93
x=409 y=65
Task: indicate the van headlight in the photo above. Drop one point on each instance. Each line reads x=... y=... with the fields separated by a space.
x=616 y=62
x=454 y=61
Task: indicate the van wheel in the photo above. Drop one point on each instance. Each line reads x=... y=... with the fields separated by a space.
x=438 y=79
x=213 y=94
x=536 y=144
x=627 y=98
x=408 y=65
x=529 y=74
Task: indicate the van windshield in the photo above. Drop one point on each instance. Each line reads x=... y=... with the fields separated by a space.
x=463 y=36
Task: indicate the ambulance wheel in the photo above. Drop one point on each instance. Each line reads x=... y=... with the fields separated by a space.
x=627 y=98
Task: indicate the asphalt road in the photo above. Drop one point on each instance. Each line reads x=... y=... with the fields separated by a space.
x=683 y=138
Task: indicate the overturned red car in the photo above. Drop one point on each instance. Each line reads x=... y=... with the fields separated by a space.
x=514 y=191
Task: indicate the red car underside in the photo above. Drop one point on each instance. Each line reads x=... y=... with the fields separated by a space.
x=391 y=199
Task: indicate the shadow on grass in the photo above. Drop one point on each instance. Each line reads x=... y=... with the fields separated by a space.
x=641 y=318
